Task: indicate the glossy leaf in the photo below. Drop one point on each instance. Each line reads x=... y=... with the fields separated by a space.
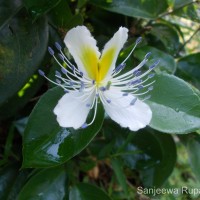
x=151 y=153
x=8 y=9
x=167 y=62
x=45 y=185
x=175 y=105
x=39 y=7
x=23 y=46
x=192 y=143
x=141 y=9
x=46 y=143
x=168 y=35
x=84 y=191
x=189 y=67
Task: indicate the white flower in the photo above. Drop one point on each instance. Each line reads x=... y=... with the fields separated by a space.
x=97 y=77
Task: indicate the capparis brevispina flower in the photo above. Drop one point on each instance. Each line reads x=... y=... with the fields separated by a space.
x=97 y=77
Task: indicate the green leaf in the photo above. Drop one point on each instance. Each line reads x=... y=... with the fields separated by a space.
x=141 y=9
x=84 y=191
x=8 y=9
x=62 y=17
x=40 y=7
x=23 y=46
x=167 y=62
x=45 y=185
x=7 y=176
x=189 y=67
x=118 y=169
x=192 y=144
x=168 y=35
x=151 y=153
x=175 y=105
x=46 y=143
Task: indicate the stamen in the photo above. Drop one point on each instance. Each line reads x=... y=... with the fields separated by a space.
x=61 y=57
x=154 y=64
x=133 y=101
x=137 y=73
x=58 y=81
x=125 y=94
x=150 y=88
x=108 y=101
x=85 y=125
x=51 y=51
x=138 y=40
x=108 y=85
x=41 y=73
x=151 y=75
x=119 y=67
x=103 y=89
x=148 y=55
x=58 y=74
x=57 y=45
x=88 y=105
x=63 y=70
x=93 y=82
x=82 y=87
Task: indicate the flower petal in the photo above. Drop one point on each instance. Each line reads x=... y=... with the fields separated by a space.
x=82 y=46
x=120 y=110
x=72 y=110
x=110 y=52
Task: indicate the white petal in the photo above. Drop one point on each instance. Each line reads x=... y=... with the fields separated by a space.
x=111 y=51
x=134 y=117
x=82 y=46
x=71 y=110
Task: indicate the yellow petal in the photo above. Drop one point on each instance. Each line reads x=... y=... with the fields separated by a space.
x=110 y=53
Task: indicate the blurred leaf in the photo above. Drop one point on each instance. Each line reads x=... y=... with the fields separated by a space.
x=158 y=174
x=17 y=101
x=8 y=9
x=192 y=142
x=189 y=67
x=166 y=61
x=84 y=191
x=22 y=46
x=62 y=17
x=39 y=7
x=45 y=185
x=141 y=9
x=118 y=169
x=7 y=176
x=153 y=154
x=187 y=9
x=175 y=105
x=168 y=35
x=46 y=143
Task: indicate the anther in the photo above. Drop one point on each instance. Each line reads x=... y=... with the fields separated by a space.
x=140 y=87
x=66 y=91
x=88 y=105
x=120 y=67
x=85 y=125
x=58 y=74
x=133 y=101
x=147 y=97
x=51 y=51
x=151 y=75
x=103 y=89
x=93 y=82
x=81 y=73
x=64 y=71
x=150 y=88
x=125 y=94
x=58 y=81
x=154 y=64
x=108 y=85
x=41 y=73
x=108 y=101
x=148 y=55
x=61 y=57
x=137 y=73
x=57 y=45
x=138 y=40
